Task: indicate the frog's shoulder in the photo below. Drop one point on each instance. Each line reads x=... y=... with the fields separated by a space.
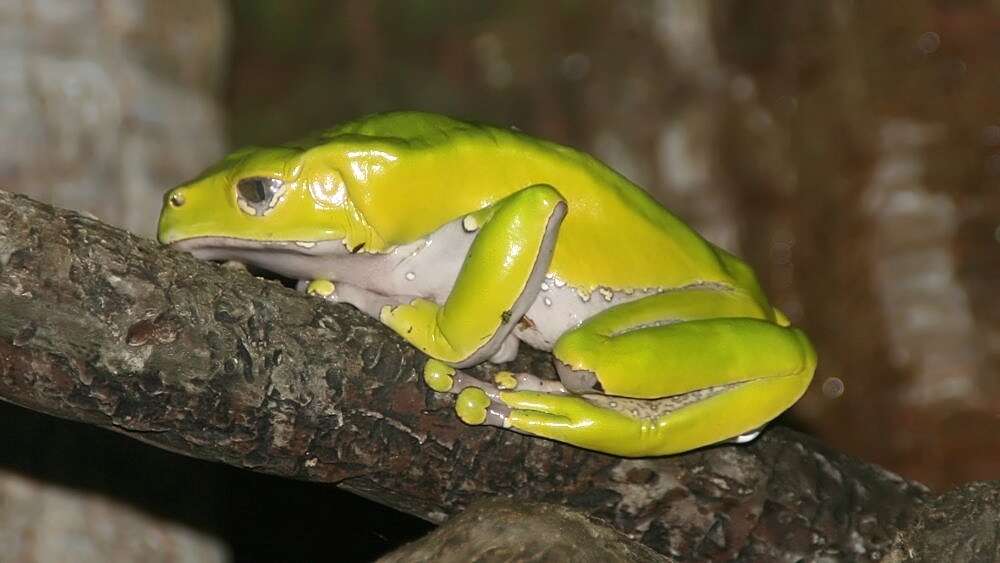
x=415 y=129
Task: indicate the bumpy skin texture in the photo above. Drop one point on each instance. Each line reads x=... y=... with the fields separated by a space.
x=653 y=310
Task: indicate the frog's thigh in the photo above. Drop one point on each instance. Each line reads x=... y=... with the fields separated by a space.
x=678 y=341
x=626 y=353
x=499 y=280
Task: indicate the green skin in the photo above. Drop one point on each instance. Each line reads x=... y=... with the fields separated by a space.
x=653 y=310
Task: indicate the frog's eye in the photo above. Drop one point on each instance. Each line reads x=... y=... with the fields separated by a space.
x=258 y=195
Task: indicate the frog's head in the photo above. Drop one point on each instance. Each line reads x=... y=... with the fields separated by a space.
x=259 y=205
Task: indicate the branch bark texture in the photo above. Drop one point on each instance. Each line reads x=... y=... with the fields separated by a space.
x=100 y=326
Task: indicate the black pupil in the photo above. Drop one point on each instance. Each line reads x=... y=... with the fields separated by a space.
x=255 y=190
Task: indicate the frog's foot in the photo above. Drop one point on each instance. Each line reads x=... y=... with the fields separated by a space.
x=481 y=402
x=475 y=406
x=443 y=378
x=531 y=405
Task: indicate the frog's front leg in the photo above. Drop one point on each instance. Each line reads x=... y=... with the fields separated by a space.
x=498 y=281
x=719 y=351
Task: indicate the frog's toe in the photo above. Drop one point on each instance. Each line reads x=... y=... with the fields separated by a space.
x=322 y=288
x=505 y=380
x=439 y=376
x=474 y=406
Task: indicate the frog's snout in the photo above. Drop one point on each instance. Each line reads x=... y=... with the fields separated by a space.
x=172 y=201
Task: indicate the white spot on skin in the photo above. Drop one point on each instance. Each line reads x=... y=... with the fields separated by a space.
x=606 y=293
x=559 y=310
x=558 y=282
x=305 y=244
x=545 y=286
x=410 y=276
x=748 y=437
x=469 y=223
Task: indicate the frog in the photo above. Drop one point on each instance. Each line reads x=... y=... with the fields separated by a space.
x=468 y=240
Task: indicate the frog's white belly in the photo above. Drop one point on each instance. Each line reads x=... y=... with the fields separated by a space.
x=429 y=268
x=560 y=308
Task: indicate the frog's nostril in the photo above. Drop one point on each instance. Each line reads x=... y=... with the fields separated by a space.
x=176 y=199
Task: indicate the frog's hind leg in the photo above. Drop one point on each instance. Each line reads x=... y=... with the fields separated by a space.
x=722 y=360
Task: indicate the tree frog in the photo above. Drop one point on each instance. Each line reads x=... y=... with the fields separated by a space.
x=468 y=239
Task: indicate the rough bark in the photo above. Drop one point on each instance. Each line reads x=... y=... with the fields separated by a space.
x=500 y=530
x=960 y=525
x=107 y=328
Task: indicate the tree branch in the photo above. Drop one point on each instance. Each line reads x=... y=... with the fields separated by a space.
x=100 y=326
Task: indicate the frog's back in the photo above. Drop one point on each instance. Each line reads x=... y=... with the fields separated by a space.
x=615 y=235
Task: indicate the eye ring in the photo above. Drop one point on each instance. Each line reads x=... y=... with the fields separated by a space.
x=258 y=194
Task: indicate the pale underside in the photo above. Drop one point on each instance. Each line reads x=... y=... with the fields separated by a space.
x=427 y=268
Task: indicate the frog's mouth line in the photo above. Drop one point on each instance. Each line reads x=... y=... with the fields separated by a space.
x=230 y=244
x=297 y=260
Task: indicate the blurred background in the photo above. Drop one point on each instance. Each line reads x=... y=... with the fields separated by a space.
x=849 y=151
